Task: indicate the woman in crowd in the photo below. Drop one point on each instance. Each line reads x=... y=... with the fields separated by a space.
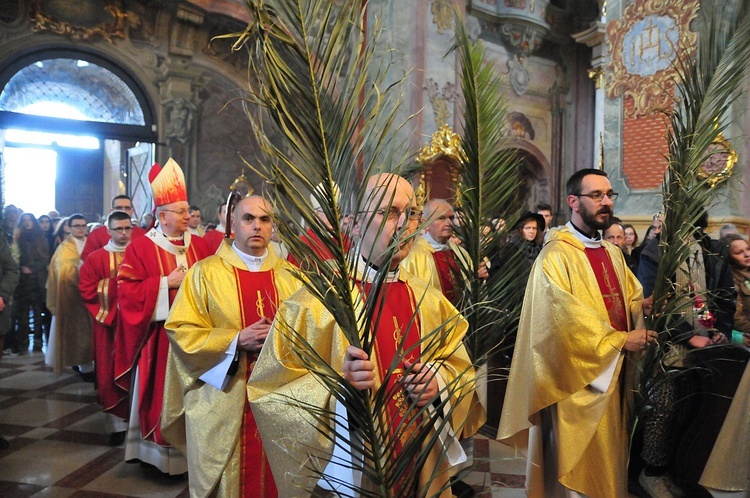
x=45 y=223
x=738 y=257
x=33 y=251
x=631 y=239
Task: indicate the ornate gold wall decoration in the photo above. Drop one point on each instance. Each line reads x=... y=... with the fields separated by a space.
x=721 y=160
x=440 y=98
x=643 y=45
x=86 y=20
x=442 y=14
x=444 y=142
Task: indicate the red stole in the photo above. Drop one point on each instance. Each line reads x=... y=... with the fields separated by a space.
x=397 y=331
x=447 y=269
x=258 y=298
x=609 y=286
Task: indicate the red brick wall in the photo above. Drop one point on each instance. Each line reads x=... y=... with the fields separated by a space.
x=644 y=146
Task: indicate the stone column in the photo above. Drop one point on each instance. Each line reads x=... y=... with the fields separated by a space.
x=594 y=38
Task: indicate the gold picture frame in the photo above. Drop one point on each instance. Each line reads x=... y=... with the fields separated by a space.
x=721 y=160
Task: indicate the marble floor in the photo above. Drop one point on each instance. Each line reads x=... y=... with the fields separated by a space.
x=59 y=446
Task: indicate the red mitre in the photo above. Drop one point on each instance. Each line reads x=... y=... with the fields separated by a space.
x=167 y=183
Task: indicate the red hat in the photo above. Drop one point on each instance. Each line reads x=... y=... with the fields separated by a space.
x=167 y=183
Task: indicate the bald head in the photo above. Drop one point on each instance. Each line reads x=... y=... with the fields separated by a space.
x=389 y=200
x=252 y=222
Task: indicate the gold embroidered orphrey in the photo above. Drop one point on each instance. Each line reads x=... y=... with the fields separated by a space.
x=643 y=45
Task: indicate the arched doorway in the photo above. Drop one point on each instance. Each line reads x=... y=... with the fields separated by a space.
x=49 y=101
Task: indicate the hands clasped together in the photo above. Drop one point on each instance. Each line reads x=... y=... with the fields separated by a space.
x=359 y=371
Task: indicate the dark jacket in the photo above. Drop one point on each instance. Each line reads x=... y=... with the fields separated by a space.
x=9 y=274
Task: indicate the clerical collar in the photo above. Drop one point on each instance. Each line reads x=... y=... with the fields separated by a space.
x=434 y=243
x=253 y=263
x=587 y=241
x=112 y=247
x=171 y=239
x=367 y=272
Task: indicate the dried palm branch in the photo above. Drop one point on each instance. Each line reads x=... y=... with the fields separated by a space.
x=328 y=119
x=489 y=184
x=707 y=83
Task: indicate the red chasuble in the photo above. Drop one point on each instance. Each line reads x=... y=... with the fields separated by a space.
x=97 y=282
x=257 y=295
x=142 y=340
x=397 y=331
x=447 y=269
x=99 y=237
x=609 y=286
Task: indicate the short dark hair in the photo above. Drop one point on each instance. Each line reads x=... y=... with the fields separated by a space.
x=193 y=208
x=118 y=216
x=543 y=206
x=73 y=217
x=573 y=185
x=121 y=196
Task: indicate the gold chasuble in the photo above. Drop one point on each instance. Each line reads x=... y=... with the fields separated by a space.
x=72 y=337
x=281 y=385
x=556 y=407
x=214 y=427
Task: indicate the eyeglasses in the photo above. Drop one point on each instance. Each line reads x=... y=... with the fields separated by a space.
x=394 y=214
x=122 y=229
x=179 y=212
x=599 y=196
x=77 y=226
x=122 y=208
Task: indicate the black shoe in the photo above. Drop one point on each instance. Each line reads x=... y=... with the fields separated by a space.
x=4 y=444
x=117 y=438
x=88 y=377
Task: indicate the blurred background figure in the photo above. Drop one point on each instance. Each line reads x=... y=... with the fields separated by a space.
x=33 y=255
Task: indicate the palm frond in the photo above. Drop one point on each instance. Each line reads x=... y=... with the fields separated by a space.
x=328 y=119
x=489 y=182
x=707 y=83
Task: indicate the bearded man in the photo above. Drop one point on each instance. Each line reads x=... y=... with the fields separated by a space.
x=565 y=403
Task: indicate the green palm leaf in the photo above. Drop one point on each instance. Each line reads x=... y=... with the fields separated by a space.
x=707 y=84
x=327 y=119
x=489 y=183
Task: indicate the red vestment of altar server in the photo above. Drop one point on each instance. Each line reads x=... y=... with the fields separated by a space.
x=97 y=282
x=144 y=342
x=99 y=237
x=317 y=247
x=213 y=239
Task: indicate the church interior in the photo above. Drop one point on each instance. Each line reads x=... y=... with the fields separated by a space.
x=93 y=92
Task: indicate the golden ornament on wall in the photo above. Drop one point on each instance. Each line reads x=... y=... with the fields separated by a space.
x=721 y=160
x=84 y=20
x=444 y=142
x=643 y=45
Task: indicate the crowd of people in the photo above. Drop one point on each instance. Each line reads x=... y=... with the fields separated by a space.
x=184 y=328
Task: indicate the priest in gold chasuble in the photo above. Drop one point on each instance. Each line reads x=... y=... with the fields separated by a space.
x=216 y=328
x=581 y=326
x=283 y=393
